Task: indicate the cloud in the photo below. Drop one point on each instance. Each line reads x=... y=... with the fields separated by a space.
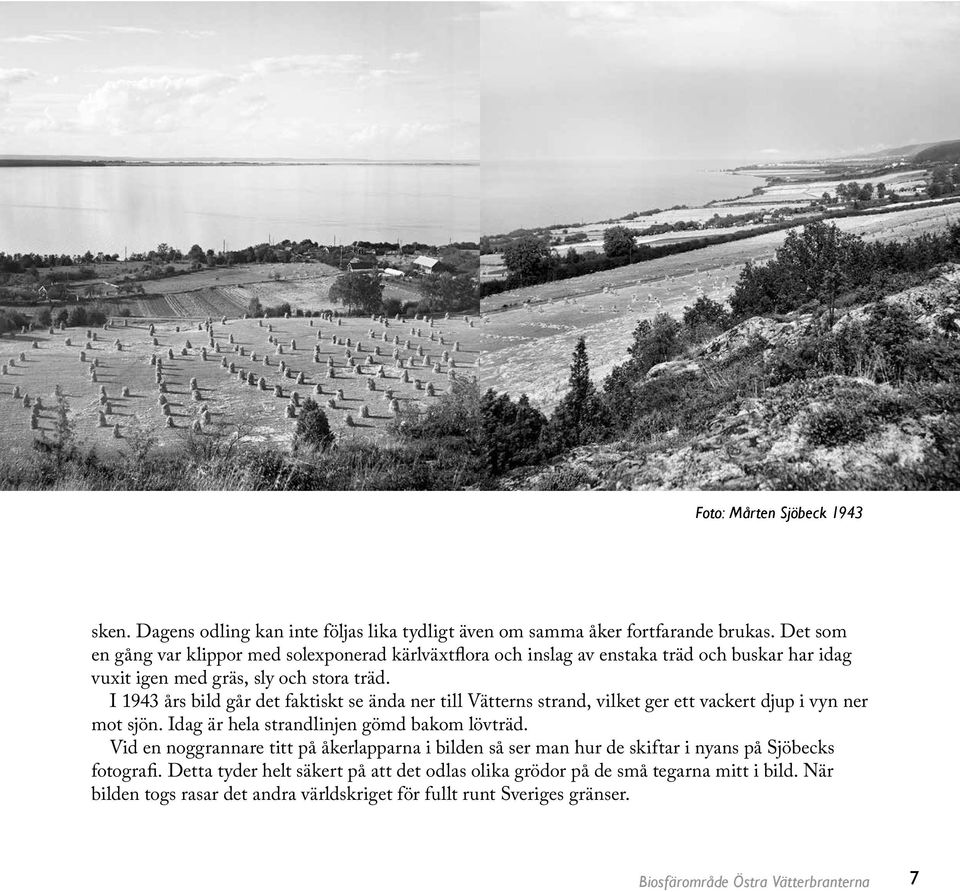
x=12 y=77
x=128 y=29
x=151 y=104
x=344 y=63
x=48 y=37
x=197 y=35
x=408 y=58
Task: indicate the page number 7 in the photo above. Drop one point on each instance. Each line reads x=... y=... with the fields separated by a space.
x=914 y=874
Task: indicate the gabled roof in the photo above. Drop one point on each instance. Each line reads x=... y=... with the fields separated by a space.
x=428 y=262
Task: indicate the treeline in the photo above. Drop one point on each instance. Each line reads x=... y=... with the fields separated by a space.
x=531 y=261
x=537 y=264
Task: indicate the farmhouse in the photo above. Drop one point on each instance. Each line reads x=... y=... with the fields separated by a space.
x=362 y=265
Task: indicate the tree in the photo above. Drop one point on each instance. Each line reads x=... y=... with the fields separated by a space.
x=447 y=293
x=358 y=293
x=706 y=314
x=528 y=257
x=313 y=427
x=509 y=431
x=254 y=308
x=881 y=191
x=618 y=242
x=580 y=415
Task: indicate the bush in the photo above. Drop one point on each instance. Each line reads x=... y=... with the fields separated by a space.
x=313 y=427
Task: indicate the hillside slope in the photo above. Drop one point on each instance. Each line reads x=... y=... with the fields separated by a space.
x=827 y=432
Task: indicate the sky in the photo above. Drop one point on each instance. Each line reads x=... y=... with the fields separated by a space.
x=768 y=81
x=487 y=80
x=386 y=81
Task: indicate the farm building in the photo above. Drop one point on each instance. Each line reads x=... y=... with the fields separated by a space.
x=425 y=264
x=362 y=265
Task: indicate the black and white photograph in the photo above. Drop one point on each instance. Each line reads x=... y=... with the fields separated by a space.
x=351 y=245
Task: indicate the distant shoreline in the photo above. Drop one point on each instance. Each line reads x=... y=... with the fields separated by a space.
x=116 y=162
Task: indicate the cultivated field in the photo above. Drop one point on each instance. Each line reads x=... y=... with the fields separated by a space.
x=527 y=347
x=361 y=368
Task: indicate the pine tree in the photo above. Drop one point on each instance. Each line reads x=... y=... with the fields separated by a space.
x=580 y=416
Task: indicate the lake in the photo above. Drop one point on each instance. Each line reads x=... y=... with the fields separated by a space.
x=539 y=193
x=112 y=209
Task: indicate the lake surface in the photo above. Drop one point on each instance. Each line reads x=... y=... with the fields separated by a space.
x=109 y=209
x=540 y=193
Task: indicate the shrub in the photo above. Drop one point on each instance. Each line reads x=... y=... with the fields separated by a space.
x=313 y=427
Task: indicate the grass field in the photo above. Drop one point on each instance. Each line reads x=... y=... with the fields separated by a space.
x=527 y=347
x=258 y=415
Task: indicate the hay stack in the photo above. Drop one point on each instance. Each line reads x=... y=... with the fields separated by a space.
x=170 y=353
x=262 y=384
x=16 y=392
x=301 y=379
x=340 y=395
x=295 y=399
x=370 y=384
x=364 y=412
x=331 y=403
x=430 y=389
x=125 y=392
x=348 y=421
x=394 y=407
x=277 y=390
x=101 y=420
x=169 y=421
